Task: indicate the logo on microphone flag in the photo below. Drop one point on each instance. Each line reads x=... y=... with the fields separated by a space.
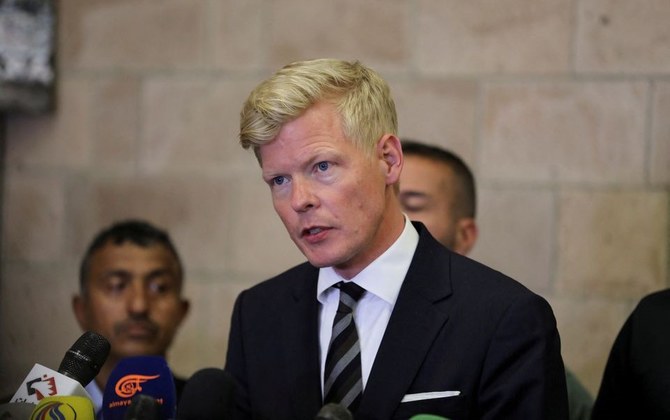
x=70 y=407
x=54 y=410
x=42 y=387
x=130 y=385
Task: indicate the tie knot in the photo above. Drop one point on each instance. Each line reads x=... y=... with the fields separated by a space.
x=351 y=289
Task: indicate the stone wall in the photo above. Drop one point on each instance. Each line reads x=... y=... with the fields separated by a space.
x=560 y=106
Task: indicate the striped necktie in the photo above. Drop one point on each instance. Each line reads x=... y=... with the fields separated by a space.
x=343 y=379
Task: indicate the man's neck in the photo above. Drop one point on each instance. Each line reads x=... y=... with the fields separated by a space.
x=106 y=370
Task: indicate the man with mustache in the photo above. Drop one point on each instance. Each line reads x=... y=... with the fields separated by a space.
x=130 y=292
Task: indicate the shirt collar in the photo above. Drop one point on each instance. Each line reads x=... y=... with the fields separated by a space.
x=391 y=266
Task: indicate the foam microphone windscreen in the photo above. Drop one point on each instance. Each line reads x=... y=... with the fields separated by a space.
x=149 y=375
x=83 y=360
x=208 y=394
x=64 y=408
x=143 y=407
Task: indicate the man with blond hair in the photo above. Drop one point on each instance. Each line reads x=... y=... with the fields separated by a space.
x=382 y=319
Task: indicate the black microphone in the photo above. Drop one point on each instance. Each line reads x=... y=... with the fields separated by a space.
x=208 y=394
x=332 y=411
x=143 y=407
x=81 y=364
x=83 y=360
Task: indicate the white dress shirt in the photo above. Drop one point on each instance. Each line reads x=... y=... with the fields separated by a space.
x=382 y=280
x=96 y=397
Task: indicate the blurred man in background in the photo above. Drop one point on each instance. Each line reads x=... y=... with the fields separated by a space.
x=130 y=283
x=438 y=188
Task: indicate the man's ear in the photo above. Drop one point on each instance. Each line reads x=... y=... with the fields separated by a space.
x=80 y=312
x=185 y=306
x=390 y=152
x=466 y=235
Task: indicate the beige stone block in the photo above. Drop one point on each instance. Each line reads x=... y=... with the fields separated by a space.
x=36 y=319
x=660 y=150
x=438 y=112
x=373 y=31
x=191 y=124
x=588 y=328
x=202 y=340
x=564 y=132
x=237 y=34
x=262 y=247
x=58 y=140
x=623 y=36
x=481 y=36
x=114 y=122
x=612 y=243
x=516 y=234
x=136 y=35
x=33 y=217
x=96 y=122
x=194 y=210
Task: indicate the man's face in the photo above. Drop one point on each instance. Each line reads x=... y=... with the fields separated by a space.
x=426 y=194
x=133 y=299
x=336 y=202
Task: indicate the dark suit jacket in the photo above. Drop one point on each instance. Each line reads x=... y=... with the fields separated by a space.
x=636 y=383
x=456 y=326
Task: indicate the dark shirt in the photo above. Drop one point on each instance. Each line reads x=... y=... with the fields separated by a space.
x=636 y=382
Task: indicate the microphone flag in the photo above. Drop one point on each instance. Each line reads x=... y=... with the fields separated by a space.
x=149 y=375
x=43 y=382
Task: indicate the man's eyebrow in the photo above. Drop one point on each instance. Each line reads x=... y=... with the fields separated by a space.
x=161 y=272
x=115 y=272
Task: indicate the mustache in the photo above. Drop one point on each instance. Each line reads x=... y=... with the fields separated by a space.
x=134 y=322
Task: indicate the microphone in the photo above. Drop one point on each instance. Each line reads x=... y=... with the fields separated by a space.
x=332 y=411
x=81 y=364
x=142 y=407
x=83 y=360
x=208 y=394
x=148 y=375
x=64 y=407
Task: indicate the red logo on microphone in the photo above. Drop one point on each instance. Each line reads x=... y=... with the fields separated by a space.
x=42 y=387
x=130 y=385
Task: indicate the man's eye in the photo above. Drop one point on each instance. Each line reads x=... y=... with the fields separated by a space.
x=115 y=284
x=278 y=180
x=158 y=287
x=323 y=166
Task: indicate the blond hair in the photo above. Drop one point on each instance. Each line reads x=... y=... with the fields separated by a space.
x=360 y=95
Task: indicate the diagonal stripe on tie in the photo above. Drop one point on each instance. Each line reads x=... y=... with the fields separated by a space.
x=343 y=379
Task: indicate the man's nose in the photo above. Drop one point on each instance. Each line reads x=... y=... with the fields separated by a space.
x=302 y=195
x=138 y=298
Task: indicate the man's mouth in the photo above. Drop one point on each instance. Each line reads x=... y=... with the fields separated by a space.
x=314 y=233
x=140 y=330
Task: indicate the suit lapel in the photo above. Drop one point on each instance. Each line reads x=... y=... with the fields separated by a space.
x=300 y=332
x=420 y=312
